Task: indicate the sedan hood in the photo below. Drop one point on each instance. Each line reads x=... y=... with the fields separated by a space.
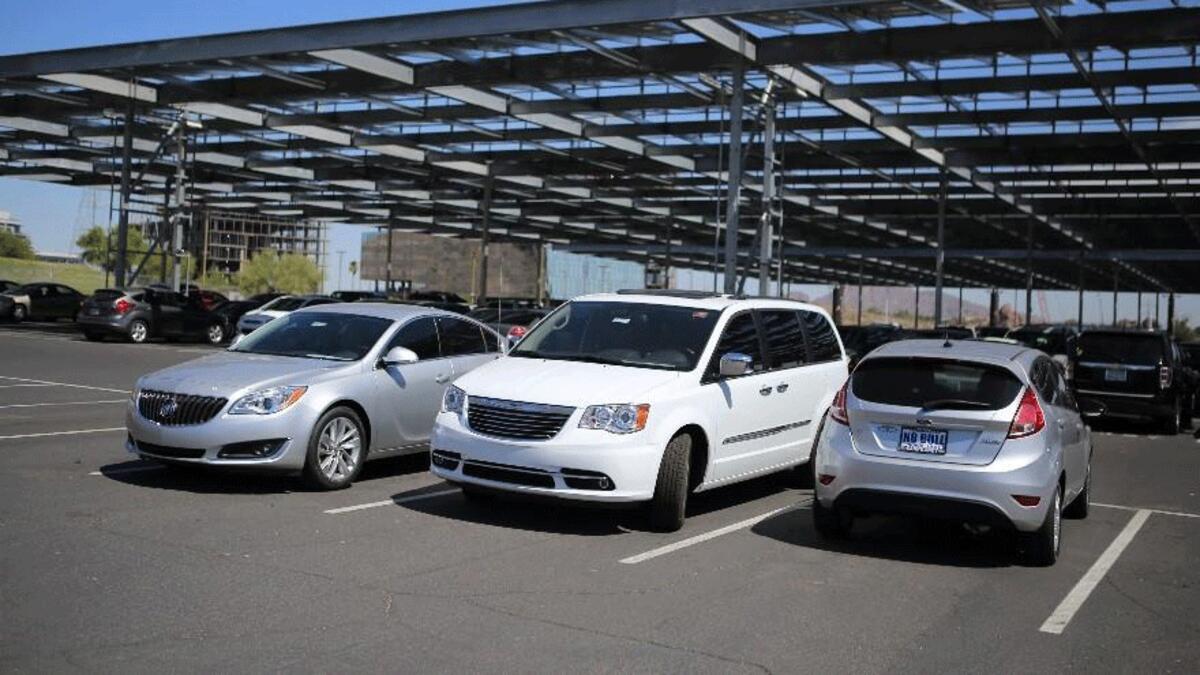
x=228 y=373
x=558 y=382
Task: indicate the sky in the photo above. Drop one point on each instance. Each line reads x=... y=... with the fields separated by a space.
x=53 y=214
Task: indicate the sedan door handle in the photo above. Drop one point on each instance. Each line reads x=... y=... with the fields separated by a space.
x=441 y=378
x=782 y=387
x=765 y=391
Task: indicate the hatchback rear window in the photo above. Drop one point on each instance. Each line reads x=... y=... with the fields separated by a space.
x=934 y=384
x=1141 y=350
x=107 y=294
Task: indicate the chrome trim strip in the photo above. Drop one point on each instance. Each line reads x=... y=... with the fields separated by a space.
x=763 y=433
x=520 y=406
x=1115 y=366
x=1092 y=392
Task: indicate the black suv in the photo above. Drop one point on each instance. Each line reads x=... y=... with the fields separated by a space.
x=141 y=313
x=1136 y=374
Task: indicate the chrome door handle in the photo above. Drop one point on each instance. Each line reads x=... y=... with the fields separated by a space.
x=782 y=387
x=765 y=391
x=441 y=378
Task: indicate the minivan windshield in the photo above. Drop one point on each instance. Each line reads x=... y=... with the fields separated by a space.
x=316 y=335
x=1131 y=348
x=934 y=384
x=640 y=335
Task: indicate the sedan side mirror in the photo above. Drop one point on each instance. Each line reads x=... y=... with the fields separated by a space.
x=398 y=356
x=1090 y=408
x=735 y=364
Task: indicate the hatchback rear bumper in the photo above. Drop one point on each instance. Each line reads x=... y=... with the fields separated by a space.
x=109 y=324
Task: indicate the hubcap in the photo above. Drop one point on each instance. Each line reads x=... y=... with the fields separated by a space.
x=338 y=449
x=215 y=334
x=139 y=332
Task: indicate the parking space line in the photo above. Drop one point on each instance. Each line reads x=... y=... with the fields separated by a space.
x=43 y=405
x=11 y=386
x=1181 y=514
x=392 y=502
x=1057 y=622
x=128 y=469
x=74 y=432
x=63 y=384
x=701 y=538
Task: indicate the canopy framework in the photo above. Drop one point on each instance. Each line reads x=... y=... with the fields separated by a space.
x=595 y=122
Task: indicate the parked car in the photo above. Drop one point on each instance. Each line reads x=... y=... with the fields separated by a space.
x=1059 y=341
x=6 y=285
x=277 y=308
x=861 y=340
x=47 y=301
x=205 y=298
x=1191 y=360
x=642 y=399
x=140 y=314
x=451 y=302
x=972 y=431
x=319 y=391
x=943 y=333
x=358 y=296
x=991 y=331
x=1138 y=375
x=511 y=322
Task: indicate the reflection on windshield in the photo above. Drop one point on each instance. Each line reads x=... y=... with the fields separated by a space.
x=622 y=334
x=316 y=335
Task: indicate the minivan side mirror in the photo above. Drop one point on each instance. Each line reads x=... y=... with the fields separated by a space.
x=398 y=356
x=1090 y=408
x=735 y=364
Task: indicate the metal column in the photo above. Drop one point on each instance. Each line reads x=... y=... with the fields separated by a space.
x=1116 y=286
x=119 y=271
x=484 y=235
x=1171 y=313
x=994 y=308
x=1029 y=272
x=734 y=189
x=1157 y=310
x=940 y=262
x=960 y=306
x=768 y=195
x=838 y=292
x=1139 y=309
x=387 y=284
x=860 y=294
x=1081 y=285
x=180 y=196
x=917 y=308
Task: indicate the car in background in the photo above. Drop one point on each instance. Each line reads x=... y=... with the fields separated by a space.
x=510 y=322
x=205 y=298
x=319 y=391
x=139 y=314
x=278 y=307
x=230 y=312
x=862 y=340
x=43 y=300
x=451 y=302
x=359 y=296
x=641 y=399
x=969 y=431
x=991 y=331
x=1057 y=340
x=942 y=332
x=1137 y=375
x=6 y=285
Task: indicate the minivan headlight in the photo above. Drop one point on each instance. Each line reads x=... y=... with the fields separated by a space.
x=267 y=401
x=453 y=399
x=616 y=418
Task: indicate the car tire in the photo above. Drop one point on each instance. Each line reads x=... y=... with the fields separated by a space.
x=1172 y=424
x=215 y=334
x=804 y=476
x=19 y=313
x=668 y=506
x=830 y=523
x=93 y=336
x=1079 y=507
x=1041 y=547
x=139 y=331
x=325 y=464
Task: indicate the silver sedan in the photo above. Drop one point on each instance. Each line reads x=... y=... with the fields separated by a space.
x=319 y=391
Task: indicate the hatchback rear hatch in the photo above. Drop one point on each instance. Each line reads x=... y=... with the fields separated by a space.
x=1121 y=363
x=932 y=409
x=102 y=302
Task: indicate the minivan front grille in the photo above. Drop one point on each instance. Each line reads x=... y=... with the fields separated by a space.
x=177 y=410
x=514 y=419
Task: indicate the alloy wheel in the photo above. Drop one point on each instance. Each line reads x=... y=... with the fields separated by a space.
x=216 y=334
x=339 y=449
x=138 y=332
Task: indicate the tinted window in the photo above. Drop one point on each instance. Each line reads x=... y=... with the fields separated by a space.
x=316 y=335
x=285 y=304
x=460 y=338
x=1043 y=380
x=319 y=301
x=419 y=335
x=107 y=294
x=822 y=341
x=785 y=339
x=936 y=383
x=741 y=336
x=1142 y=350
x=1062 y=391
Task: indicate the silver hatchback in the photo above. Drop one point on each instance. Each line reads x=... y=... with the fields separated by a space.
x=962 y=430
x=318 y=391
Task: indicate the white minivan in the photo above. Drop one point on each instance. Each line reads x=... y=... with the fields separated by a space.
x=643 y=397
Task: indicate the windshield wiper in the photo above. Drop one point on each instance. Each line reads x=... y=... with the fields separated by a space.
x=955 y=404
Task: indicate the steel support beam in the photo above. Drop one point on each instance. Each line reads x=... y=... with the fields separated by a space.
x=1029 y=273
x=734 y=184
x=484 y=235
x=768 y=196
x=940 y=262
x=119 y=265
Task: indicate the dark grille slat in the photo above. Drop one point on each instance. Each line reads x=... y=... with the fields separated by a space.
x=190 y=408
x=512 y=419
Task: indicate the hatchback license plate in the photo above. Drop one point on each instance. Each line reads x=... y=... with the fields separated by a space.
x=923 y=441
x=1114 y=375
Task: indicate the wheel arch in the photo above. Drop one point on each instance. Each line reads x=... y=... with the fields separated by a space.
x=699 y=454
x=362 y=415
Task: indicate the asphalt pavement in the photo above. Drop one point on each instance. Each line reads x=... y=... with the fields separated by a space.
x=111 y=563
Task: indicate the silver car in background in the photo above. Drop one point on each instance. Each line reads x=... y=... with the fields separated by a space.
x=964 y=430
x=318 y=391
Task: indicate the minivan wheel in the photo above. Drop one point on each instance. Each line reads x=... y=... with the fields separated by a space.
x=139 y=331
x=1042 y=546
x=336 y=450
x=669 y=504
x=830 y=523
x=19 y=313
x=215 y=334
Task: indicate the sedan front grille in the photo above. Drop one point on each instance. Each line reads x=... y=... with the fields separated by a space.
x=514 y=419
x=178 y=410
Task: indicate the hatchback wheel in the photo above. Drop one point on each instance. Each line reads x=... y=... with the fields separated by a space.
x=335 y=450
x=669 y=504
x=215 y=334
x=139 y=331
x=1042 y=546
x=19 y=313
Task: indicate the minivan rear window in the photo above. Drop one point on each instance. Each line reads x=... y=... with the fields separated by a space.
x=1134 y=349
x=934 y=384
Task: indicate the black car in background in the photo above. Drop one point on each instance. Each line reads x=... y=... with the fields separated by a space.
x=862 y=340
x=1052 y=338
x=44 y=300
x=1190 y=352
x=6 y=285
x=1137 y=375
x=451 y=302
x=359 y=296
x=139 y=314
x=510 y=322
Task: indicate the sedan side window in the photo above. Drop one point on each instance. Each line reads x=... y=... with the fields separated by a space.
x=419 y=335
x=740 y=335
x=460 y=338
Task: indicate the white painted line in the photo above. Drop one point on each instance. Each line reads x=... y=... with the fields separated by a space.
x=75 y=432
x=64 y=384
x=392 y=502
x=129 y=469
x=1062 y=615
x=43 y=405
x=10 y=386
x=701 y=538
x=1181 y=514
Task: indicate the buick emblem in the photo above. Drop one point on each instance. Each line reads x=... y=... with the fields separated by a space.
x=168 y=408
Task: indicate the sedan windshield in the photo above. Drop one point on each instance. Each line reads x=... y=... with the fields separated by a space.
x=316 y=335
x=623 y=334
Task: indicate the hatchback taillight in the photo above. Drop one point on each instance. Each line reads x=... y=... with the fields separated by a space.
x=517 y=332
x=1164 y=377
x=837 y=410
x=1029 y=418
x=123 y=305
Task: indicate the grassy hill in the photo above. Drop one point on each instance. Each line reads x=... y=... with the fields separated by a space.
x=80 y=277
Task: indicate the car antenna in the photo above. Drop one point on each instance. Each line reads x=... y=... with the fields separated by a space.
x=947 y=344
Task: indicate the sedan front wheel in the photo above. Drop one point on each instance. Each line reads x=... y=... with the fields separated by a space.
x=336 y=450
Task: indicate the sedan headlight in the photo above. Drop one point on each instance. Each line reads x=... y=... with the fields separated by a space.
x=267 y=401
x=453 y=399
x=616 y=418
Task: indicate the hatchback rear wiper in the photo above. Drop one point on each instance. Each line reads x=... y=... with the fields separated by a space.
x=955 y=404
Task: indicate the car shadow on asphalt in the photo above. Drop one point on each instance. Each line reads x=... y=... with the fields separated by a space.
x=1147 y=429
x=914 y=540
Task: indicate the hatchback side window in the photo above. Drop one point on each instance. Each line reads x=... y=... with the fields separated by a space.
x=822 y=341
x=1043 y=380
x=419 y=335
x=741 y=336
x=460 y=338
x=1063 y=391
x=785 y=339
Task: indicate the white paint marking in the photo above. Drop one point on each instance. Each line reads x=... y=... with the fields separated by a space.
x=1181 y=514
x=392 y=502
x=11 y=386
x=64 y=384
x=701 y=538
x=130 y=469
x=1066 y=610
x=43 y=405
x=75 y=432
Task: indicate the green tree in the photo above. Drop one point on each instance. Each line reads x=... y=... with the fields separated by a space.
x=287 y=273
x=97 y=249
x=15 y=246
